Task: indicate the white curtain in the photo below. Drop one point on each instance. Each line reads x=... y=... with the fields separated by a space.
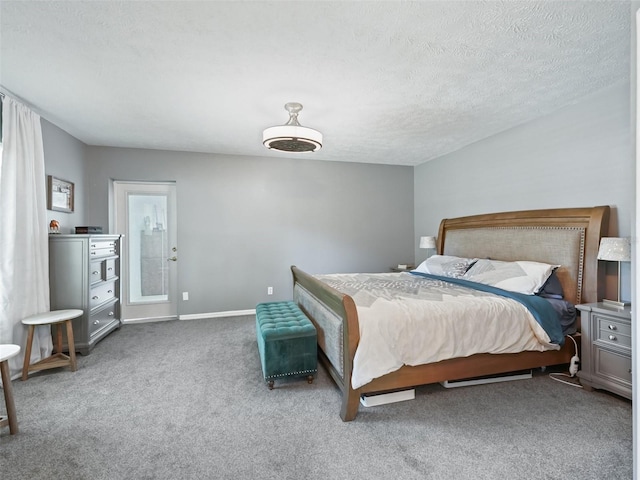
x=24 y=251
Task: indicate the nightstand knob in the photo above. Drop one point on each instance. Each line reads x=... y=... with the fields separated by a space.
x=612 y=327
x=613 y=337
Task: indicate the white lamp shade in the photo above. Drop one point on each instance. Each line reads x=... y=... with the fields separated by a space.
x=427 y=242
x=615 y=249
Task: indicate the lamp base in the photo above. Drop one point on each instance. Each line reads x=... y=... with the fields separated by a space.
x=615 y=303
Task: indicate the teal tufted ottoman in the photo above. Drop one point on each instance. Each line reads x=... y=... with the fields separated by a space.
x=287 y=341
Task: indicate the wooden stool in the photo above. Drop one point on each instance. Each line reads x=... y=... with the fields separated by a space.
x=59 y=359
x=6 y=352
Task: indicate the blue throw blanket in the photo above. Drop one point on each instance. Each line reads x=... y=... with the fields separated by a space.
x=540 y=308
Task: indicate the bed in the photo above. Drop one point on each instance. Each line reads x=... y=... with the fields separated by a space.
x=567 y=237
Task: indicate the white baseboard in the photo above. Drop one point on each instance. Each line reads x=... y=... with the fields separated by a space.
x=129 y=321
x=230 y=313
x=384 y=398
x=192 y=316
x=480 y=381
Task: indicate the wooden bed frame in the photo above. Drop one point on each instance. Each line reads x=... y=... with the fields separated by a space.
x=569 y=237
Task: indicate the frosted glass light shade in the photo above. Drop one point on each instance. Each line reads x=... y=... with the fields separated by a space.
x=292 y=137
x=615 y=249
x=427 y=242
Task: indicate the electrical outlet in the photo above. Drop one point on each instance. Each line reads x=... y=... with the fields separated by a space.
x=185 y=296
x=269 y=290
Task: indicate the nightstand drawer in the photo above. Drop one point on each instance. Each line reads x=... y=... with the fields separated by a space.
x=612 y=332
x=615 y=366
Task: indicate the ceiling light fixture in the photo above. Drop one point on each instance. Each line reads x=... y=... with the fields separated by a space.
x=292 y=137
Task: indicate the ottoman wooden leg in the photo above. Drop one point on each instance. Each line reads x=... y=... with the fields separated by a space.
x=310 y=379
x=270 y=384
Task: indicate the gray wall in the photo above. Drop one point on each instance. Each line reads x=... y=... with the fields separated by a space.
x=580 y=156
x=243 y=221
x=64 y=158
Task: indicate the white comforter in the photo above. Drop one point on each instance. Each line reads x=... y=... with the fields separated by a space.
x=410 y=320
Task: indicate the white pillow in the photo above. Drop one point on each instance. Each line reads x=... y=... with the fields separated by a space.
x=521 y=276
x=445 y=265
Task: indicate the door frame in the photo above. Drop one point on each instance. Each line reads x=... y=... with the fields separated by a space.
x=118 y=220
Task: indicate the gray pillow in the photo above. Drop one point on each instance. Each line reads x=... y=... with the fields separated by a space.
x=552 y=288
x=446 y=265
x=521 y=276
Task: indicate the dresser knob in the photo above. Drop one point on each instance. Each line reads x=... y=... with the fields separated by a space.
x=612 y=327
x=111 y=314
x=109 y=291
x=613 y=337
x=95 y=297
x=95 y=273
x=97 y=322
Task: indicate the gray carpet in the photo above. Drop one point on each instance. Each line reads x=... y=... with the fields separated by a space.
x=186 y=400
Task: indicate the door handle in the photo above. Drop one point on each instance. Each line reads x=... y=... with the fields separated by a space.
x=173 y=259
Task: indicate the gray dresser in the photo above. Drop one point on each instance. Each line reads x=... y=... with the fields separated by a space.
x=84 y=273
x=606 y=348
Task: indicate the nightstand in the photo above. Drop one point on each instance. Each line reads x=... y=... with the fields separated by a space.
x=606 y=348
x=407 y=268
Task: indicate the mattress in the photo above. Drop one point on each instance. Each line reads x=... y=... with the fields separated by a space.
x=410 y=320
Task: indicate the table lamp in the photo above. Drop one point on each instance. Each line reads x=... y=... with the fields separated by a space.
x=615 y=249
x=428 y=242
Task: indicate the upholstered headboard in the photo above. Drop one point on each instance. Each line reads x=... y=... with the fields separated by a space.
x=568 y=237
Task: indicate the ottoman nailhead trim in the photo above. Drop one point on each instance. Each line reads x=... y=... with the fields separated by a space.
x=292 y=373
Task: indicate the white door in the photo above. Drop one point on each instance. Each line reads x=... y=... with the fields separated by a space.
x=145 y=213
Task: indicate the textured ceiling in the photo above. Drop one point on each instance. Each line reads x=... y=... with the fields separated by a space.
x=385 y=82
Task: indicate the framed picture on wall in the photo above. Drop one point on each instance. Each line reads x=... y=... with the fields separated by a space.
x=59 y=194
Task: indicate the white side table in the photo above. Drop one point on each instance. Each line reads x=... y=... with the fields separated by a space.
x=58 y=359
x=7 y=352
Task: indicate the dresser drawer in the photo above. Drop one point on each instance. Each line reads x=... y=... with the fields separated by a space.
x=103 y=248
x=612 y=331
x=102 y=293
x=109 y=268
x=613 y=365
x=102 y=270
x=102 y=318
x=95 y=272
